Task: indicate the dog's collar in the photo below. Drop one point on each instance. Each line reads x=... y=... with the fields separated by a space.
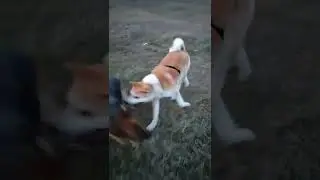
x=218 y=29
x=172 y=67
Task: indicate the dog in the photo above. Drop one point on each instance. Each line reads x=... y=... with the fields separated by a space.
x=87 y=110
x=230 y=21
x=165 y=80
x=86 y=101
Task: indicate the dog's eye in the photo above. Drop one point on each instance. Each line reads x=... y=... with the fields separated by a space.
x=136 y=97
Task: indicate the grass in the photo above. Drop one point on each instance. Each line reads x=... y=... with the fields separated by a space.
x=180 y=147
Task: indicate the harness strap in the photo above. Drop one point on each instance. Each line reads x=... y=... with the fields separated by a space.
x=172 y=67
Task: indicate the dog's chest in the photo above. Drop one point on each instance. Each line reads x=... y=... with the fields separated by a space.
x=169 y=93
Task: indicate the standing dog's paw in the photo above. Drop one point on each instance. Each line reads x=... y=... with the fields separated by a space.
x=186 y=84
x=184 y=104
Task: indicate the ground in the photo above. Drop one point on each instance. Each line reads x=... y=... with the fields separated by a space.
x=280 y=100
x=140 y=35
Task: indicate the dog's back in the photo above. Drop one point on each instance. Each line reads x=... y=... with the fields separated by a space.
x=174 y=65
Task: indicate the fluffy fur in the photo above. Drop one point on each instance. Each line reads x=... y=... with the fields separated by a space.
x=164 y=80
x=234 y=16
x=86 y=108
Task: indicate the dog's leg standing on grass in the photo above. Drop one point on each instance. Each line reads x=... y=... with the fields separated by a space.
x=236 y=27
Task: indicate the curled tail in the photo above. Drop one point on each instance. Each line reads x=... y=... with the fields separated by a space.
x=177 y=45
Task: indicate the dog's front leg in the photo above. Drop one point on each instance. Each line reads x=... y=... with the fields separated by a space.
x=180 y=101
x=155 y=118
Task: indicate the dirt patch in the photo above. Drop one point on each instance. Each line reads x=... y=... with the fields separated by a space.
x=140 y=35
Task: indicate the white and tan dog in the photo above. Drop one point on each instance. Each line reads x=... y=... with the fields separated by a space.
x=231 y=19
x=164 y=80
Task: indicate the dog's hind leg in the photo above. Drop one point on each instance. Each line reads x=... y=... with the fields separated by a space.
x=186 y=81
x=180 y=101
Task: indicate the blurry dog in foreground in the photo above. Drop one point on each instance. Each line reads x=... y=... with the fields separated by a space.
x=230 y=21
x=87 y=107
x=164 y=80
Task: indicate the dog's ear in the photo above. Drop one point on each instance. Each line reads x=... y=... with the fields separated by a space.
x=147 y=88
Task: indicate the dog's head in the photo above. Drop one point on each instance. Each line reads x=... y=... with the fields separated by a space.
x=140 y=89
x=90 y=94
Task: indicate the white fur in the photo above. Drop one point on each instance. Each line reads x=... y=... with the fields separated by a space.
x=177 y=45
x=158 y=92
x=235 y=31
x=68 y=119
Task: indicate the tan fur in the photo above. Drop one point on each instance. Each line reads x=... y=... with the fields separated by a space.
x=90 y=87
x=175 y=59
x=141 y=87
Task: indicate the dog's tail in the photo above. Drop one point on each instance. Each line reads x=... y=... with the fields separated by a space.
x=177 y=45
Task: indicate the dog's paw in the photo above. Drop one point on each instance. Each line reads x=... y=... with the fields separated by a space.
x=184 y=104
x=186 y=84
x=150 y=127
x=239 y=135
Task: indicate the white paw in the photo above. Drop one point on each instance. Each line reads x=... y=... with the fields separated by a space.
x=186 y=84
x=150 y=127
x=239 y=135
x=184 y=104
